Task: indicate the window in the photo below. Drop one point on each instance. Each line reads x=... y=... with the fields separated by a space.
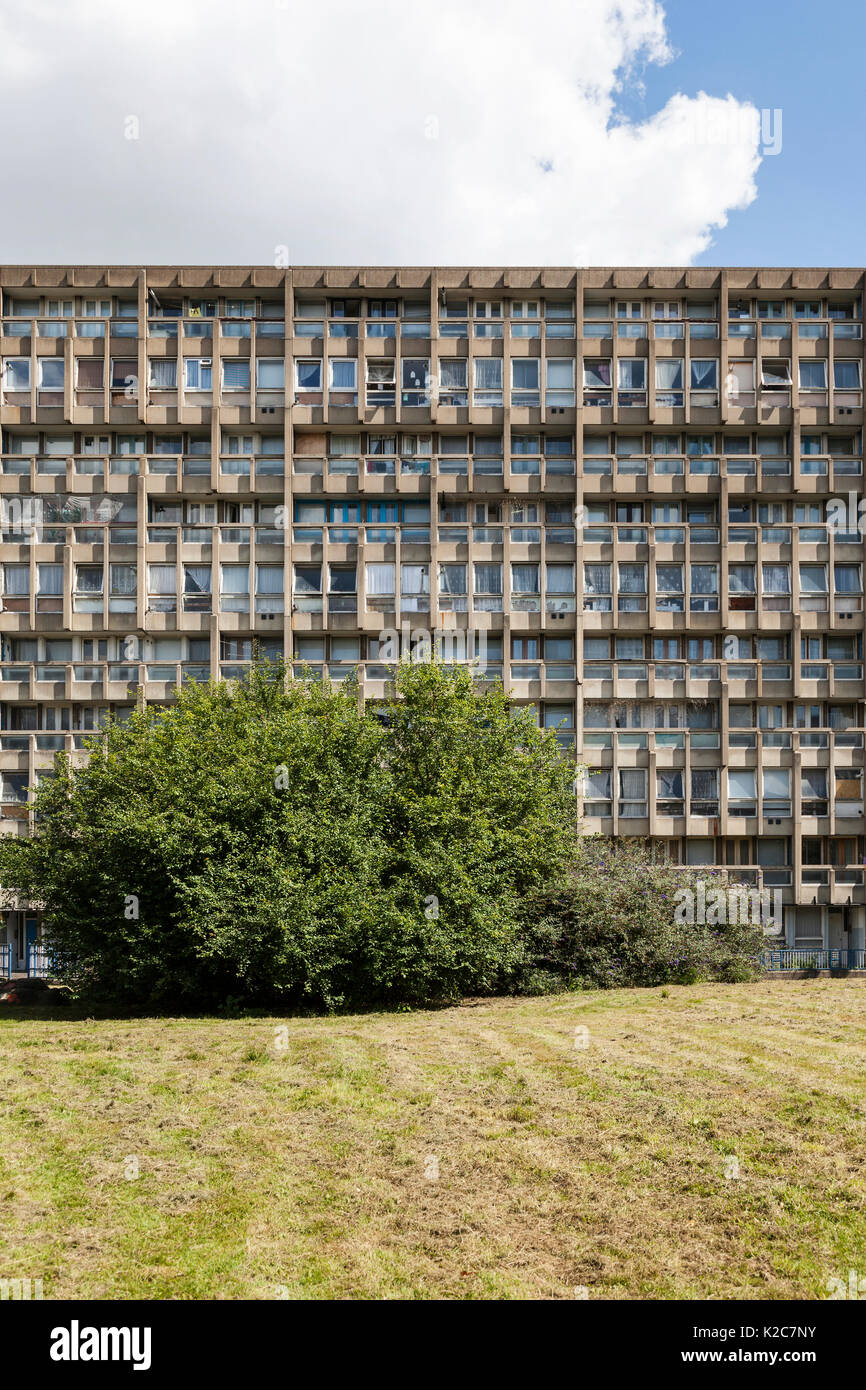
x=631 y=381
x=271 y=376
x=236 y=374
x=88 y=588
x=813 y=376
x=704 y=377
x=669 y=385
x=596 y=588
x=669 y=793
x=342 y=579
x=524 y=579
x=813 y=785
x=124 y=380
x=559 y=389
x=669 y=589
x=162 y=586
x=487 y=587
x=162 y=373
x=775 y=376
x=848 y=791
x=596 y=381
x=704 y=590
x=415 y=381
x=198 y=373
x=487 y=389
x=632 y=792
x=741 y=792
x=269 y=589
x=16 y=374
x=382 y=309
x=847 y=582
x=524 y=381
x=308 y=378
x=559 y=717
x=452 y=580
x=776 y=789
x=415 y=588
x=308 y=579
x=488 y=316
x=741 y=588
x=453 y=381
x=596 y=792
x=197 y=588
x=740 y=386
x=776 y=587
x=705 y=794
x=16 y=585
x=234 y=588
x=846 y=375
x=123 y=579
x=380 y=580
x=343 y=382
x=50 y=380
x=381 y=383
x=632 y=588
x=813 y=588
x=560 y=579
x=345 y=308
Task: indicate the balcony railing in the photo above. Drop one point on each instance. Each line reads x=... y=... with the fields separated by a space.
x=818 y=958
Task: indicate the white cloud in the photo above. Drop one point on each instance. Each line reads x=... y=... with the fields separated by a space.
x=466 y=131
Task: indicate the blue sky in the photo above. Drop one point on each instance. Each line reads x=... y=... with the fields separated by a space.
x=807 y=59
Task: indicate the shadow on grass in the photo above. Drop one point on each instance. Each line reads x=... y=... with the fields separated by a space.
x=77 y=1012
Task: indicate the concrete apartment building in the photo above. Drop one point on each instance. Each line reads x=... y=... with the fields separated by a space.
x=632 y=494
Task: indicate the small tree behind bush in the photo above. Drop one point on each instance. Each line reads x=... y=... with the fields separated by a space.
x=613 y=920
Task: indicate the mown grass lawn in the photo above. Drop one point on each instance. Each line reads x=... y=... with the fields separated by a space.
x=474 y=1152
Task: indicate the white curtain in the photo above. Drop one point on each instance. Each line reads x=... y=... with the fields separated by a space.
x=380 y=579
x=16 y=579
x=269 y=579
x=196 y=579
x=163 y=373
x=162 y=579
x=415 y=579
x=452 y=579
x=488 y=373
x=235 y=579
x=488 y=579
x=124 y=579
x=524 y=579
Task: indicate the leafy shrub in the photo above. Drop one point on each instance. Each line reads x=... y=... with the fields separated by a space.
x=273 y=841
x=612 y=921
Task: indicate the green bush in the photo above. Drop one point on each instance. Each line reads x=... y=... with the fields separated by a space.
x=272 y=841
x=613 y=921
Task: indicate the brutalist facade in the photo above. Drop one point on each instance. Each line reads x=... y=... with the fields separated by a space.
x=631 y=494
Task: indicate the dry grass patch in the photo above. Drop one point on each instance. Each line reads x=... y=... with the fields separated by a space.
x=474 y=1152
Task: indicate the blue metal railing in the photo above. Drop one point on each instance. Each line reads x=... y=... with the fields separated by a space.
x=819 y=958
x=41 y=962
